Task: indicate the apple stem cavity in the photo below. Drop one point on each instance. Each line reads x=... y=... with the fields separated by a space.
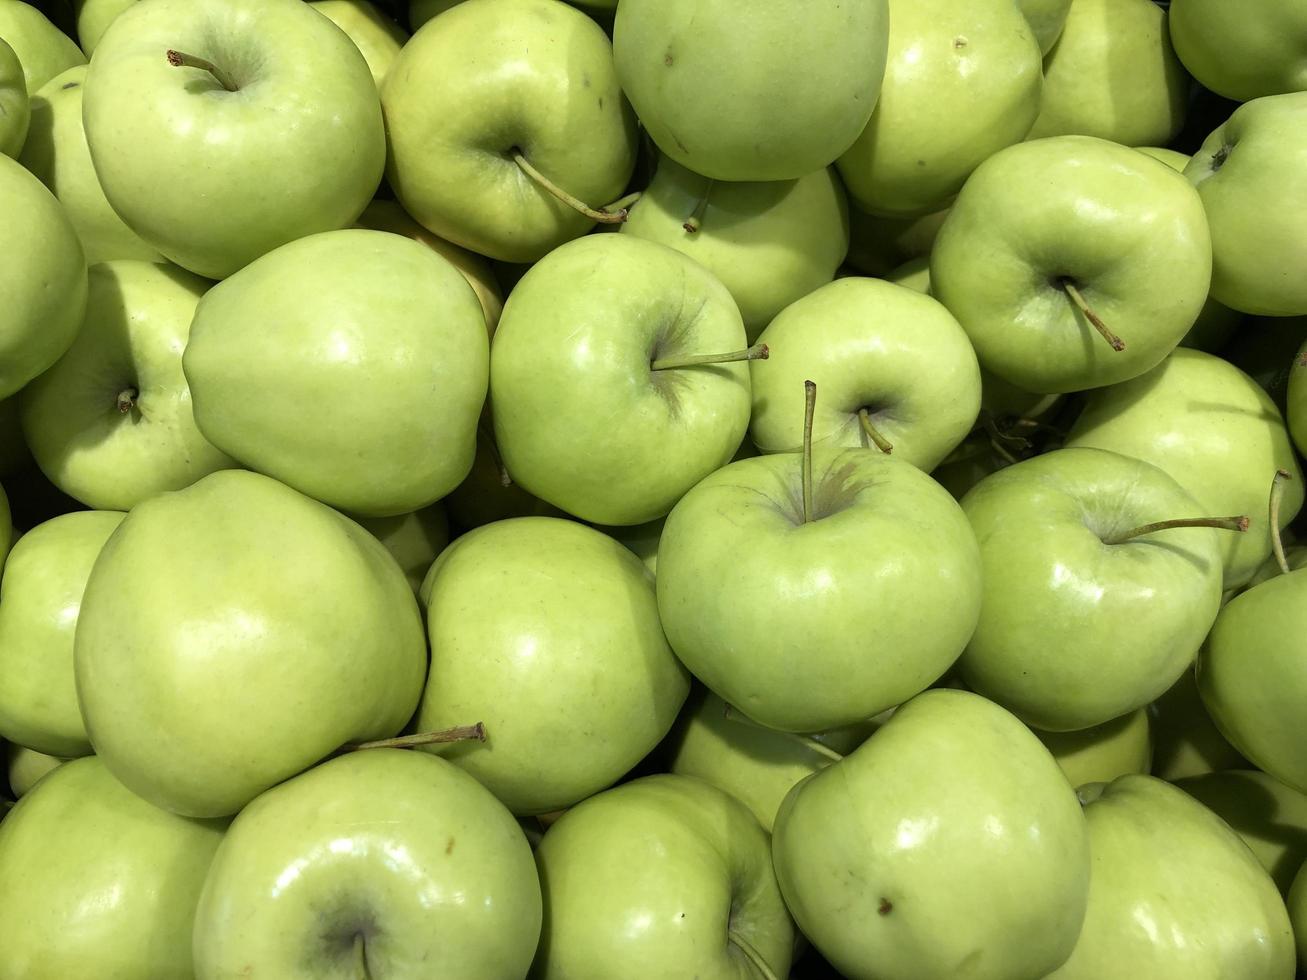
x=883 y=444
x=750 y=953
x=809 y=409
x=126 y=400
x=576 y=204
x=459 y=733
x=1074 y=293
x=695 y=221
x=758 y=352
x=1277 y=495
x=1220 y=523
x=807 y=741
x=179 y=59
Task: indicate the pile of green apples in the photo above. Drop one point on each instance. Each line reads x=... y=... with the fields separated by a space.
x=656 y=489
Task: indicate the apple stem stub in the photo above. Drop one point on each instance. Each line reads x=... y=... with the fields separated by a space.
x=758 y=352
x=180 y=59
x=695 y=221
x=126 y=400
x=1239 y=523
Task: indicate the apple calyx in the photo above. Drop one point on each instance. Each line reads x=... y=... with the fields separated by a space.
x=807 y=741
x=1073 y=292
x=126 y=400
x=1220 y=523
x=180 y=59
x=575 y=203
x=695 y=221
x=1273 y=512
x=883 y=444
x=459 y=733
x=750 y=953
x=809 y=408
x=758 y=352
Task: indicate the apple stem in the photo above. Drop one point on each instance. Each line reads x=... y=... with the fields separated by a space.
x=695 y=221
x=361 y=956
x=807 y=741
x=751 y=954
x=883 y=444
x=1117 y=343
x=179 y=59
x=1220 y=523
x=126 y=400
x=809 y=409
x=576 y=204
x=1277 y=494
x=460 y=733
x=758 y=352
x=623 y=204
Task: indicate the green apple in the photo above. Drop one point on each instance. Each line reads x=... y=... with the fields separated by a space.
x=14 y=108
x=1251 y=174
x=1083 y=618
x=1186 y=742
x=492 y=83
x=6 y=527
x=1297 y=905
x=1242 y=51
x=1269 y=816
x=39 y=601
x=1113 y=74
x=43 y=50
x=1296 y=400
x=256 y=629
x=1174 y=893
x=43 y=281
x=547 y=631
x=25 y=767
x=769 y=242
x=664 y=878
x=809 y=611
x=949 y=844
x=1295 y=557
x=1101 y=753
x=894 y=368
x=1211 y=427
x=488 y=494
x=97 y=881
x=913 y=274
x=1046 y=19
x=772 y=95
x=56 y=152
x=413 y=540
x=421 y=11
x=376 y=36
x=380 y=863
x=94 y=18
x=351 y=365
x=1265 y=350
x=640 y=540
x=963 y=81
x=1172 y=158
x=878 y=244
x=111 y=422
x=224 y=156
x=598 y=405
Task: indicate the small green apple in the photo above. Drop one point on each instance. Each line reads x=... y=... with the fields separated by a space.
x=1186 y=742
x=913 y=274
x=413 y=540
x=15 y=110
x=879 y=244
x=94 y=18
x=25 y=767
x=1046 y=19
x=1242 y=51
x=1103 y=752
x=421 y=11
x=640 y=540
x=376 y=36
x=489 y=494
x=43 y=50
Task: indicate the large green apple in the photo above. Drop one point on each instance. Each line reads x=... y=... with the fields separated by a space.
x=894 y=369
x=56 y=152
x=769 y=242
x=94 y=18
x=42 y=280
x=26 y=767
x=771 y=94
x=664 y=878
x=948 y=845
x=1251 y=174
x=44 y=579
x=1043 y=226
x=351 y=365
x=547 y=631
x=376 y=36
x=281 y=139
x=97 y=882
x=236 y=632
x=1103 y=752
x=962 y=82
x=1242 y=50
x=43 y=50
x=1174 y=893
x=15 y=110
x=381 y=863
x=487 y=83
x=595 y=410
x=1113 y=74
x=1296 y=401
x=1211 y=427
x=1082 y=618
x=812 y=611
x=1186 y=742
x=1046 y=19
x=111 y=423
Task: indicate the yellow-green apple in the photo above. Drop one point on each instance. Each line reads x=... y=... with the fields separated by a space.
x=15 y=110
x=93 y=18
x=769 y=242
x=949 y=844
x=547 y=630
x=1103 y=752
x=1046 y=19
x=913 y=274
x=1265 y=350
x=1174 y=893
x=1055 y=241
x=111 y=422
x=351 y=365
x=962 y=81
x=757 y=97
x=1242 y=51
x=488 y=494
x=25 y=767
x=97 y=881
x=1211 y=427
x=895 y=370
x=380 y=863
x=878 y=244
x=413 y=540
x=493 y=104
x=664 y=877
x=600 y=404
x=1186 y=742
x=640 y=540
x=375 y=34
x=193 y=107
x=1297 y=904
x=43 y=50
x=421 y=11
x=256 y=628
